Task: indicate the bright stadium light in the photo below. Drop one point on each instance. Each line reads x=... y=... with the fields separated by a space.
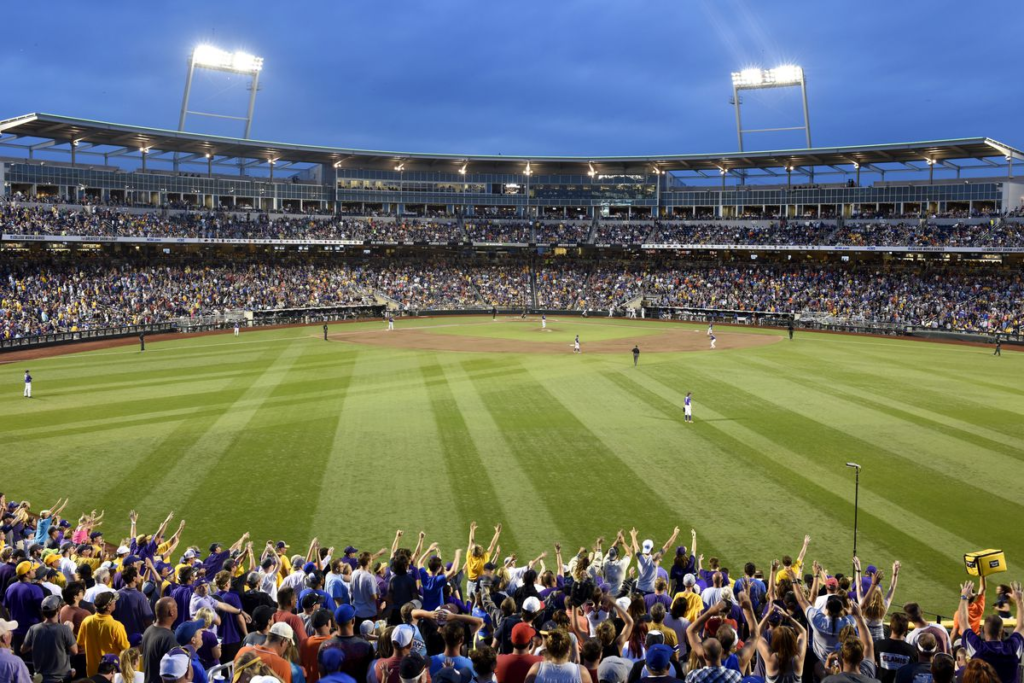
x=210 y=57
x=784 y=76
x=215 y=59
x=591 y=172
x=462 y=169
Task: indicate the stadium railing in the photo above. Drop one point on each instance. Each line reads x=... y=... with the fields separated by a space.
x=57 y=338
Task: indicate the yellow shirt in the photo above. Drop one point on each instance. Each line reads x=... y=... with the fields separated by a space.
x=783 y=573
x=694 y=605
x=100 y=634
x=475 y=565
x=93 y=562
x=671 y=639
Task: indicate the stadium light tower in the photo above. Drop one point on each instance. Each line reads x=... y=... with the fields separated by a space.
x=787 y=76
x=215 y=59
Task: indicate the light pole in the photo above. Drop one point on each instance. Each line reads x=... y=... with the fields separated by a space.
x=856 y=503
x=785 y=76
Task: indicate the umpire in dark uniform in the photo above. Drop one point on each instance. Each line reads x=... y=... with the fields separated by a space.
x=789 y=326
x=325 y=331
x=142 y=340
x=999 y=346
x=636 y=355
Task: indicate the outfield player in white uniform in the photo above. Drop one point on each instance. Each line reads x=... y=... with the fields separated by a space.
x=543 y=322
x=391 y=322
x=236 y=328
x=688 y=408
x=713 y=338
x=28 y=385
x=576 y=345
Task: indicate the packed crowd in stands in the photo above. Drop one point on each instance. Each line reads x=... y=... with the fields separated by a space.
x=556 y=232
x=49 y=294
x=797 y=232
x=503 y=286
x=513 y=232
x=624 y=233
x=137 y=605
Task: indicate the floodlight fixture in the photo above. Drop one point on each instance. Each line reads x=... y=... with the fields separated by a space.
x=337 y=164
x=210 y=57
x=591 y=171
x=215 y=59
x=529 y=170
x=400 y=167
x=756 y=78
x=462 y=169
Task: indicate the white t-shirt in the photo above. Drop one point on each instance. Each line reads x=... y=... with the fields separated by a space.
x=92 y=593
x=139 y=678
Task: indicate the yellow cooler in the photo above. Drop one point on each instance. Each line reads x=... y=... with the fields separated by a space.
x=985 y=562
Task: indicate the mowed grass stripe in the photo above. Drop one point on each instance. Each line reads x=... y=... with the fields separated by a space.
x=475 y=496
x=920 y=383
x=883 y=529
x=565 y=460
x=383 y=472
x=1000 y=460
x=294 y=429
x=525 y=513
x=191 y=464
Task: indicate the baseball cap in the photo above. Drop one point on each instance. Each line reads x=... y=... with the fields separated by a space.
x=489 y=567
x=613 y=552
x=331 y=659
x=648 y=545
x=52 y=602
x=51 y=560
x=281 y=545
x=7 y=627
x=283 y=630
x=623 y=602
x=614 y=670
x=871 y=569
x=105 y=598
x=522 y=634
x=190 y=554
x=82 y=548
x=350 y=549
x=654 y=637
x=412 y=666
x=831 y=582
x=111 y=659
x=680 y=550
x=131 y=559
x=689 y=580
x=311 y=599
x=447 y=674
x=174 y=664
x=344 y=614
x=402 y=637
x=309 y=567
x=186 y=631
x=24 y=567
x=123 y=550
x=96 y=534
x=366 y=628
x=658 y=657
x=532 y=605
x=214 y=546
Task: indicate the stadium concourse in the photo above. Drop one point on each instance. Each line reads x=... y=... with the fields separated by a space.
x=129 y=605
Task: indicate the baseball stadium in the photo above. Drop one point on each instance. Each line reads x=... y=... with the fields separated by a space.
x=257 y=395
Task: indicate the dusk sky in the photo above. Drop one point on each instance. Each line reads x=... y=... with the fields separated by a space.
x=542 y=78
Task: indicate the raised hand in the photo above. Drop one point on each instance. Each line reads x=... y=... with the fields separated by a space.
x=967 y=589
x=856 y=563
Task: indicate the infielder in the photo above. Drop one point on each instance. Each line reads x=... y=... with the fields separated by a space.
x=28 y=385
x=391 y=322
x=688 y=408
x=576 y=345
x=236 y=328
x=142 y=340
x=711 y=329
x=713 y=338
x=543 y=322
x=636 y=355
x=325 y=331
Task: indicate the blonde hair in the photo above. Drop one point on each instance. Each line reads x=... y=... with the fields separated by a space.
x=130 y=660
x=207 y=615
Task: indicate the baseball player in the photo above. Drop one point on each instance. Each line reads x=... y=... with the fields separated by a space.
x=325 y=331
x=142 y=340
x=688 y=407
x=636 y=355
x=391 y=322
x=543 y=322
x=713 y=338
x=576 y=345
x=711 y=329
x=28 y=385
x=236 y=328
x=999 y=346
x=790 y=328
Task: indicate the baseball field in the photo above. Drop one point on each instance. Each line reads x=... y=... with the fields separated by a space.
x=445 y=421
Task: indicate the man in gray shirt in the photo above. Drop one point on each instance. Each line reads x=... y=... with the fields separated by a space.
x=51 y=644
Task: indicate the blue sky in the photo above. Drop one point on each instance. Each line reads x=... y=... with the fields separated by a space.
x=542 y=78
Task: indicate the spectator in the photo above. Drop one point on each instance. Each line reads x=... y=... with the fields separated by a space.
x=556 y=667
x=894 y=652
x=1003 y=654
x=101 y=634
x=272 y=652
x=51 y=644
x=159 y=639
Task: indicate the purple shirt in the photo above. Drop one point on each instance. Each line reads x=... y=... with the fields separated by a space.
x=12 y=668
x=1003 y=655
x=23 y=602
x=653 y=599
x=133 y=610
x=229 y=631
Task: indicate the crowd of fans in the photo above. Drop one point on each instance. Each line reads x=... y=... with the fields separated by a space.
x=76 y=605
x=111 y=221
x=50 y=294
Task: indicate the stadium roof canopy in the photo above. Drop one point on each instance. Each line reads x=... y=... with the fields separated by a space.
x=54 y=133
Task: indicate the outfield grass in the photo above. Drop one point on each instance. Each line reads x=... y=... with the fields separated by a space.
x=284 y=435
